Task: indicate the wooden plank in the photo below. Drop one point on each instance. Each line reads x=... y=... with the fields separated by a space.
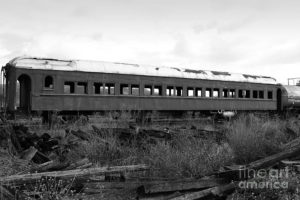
x=78 y=163
x=260 y=164
x=215 y=191
x=97 y=187
x=29 y=153
x=273 y=159
x=81 y=134
x=290 y=163
x=159 y=196
x=72 y=173
x=37 y=168
x=87 y=165
x=182 y=185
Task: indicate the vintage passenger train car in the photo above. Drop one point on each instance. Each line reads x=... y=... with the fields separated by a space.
x=88 y=86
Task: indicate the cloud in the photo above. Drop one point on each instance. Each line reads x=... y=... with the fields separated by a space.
x=288 y=53
x=222 y=26
x=205 y=27
x=181 y=47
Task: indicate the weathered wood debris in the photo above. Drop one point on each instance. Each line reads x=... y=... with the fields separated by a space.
x=83 y=177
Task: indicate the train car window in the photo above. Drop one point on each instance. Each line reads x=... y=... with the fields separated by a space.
x=69 y=87
x=198 y=92
x=170 y=91
x=216 y=93
x=255 y=94
x=82 y=88
x=157 y=90
x=190 y=92
x=208 y=92
x=225 y=93
x=232 y=93
x=178 y=91
x=270 y=95
x=247 y=94
x=148 y=90
x=109 y=88
x=102 y=89
x=49 y=82
x=261 y=94
x=242 y=93
x=124 y=89
x=96 y=88
x=135 y=90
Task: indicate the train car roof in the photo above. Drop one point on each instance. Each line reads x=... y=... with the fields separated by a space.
x=135 y=69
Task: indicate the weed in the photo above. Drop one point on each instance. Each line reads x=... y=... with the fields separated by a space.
x=49 y=188
x=188 y=157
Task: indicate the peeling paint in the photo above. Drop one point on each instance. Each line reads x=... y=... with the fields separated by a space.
x=220 y=73
x=195 y=71
x=176 y=69
x=135 y=65
x=250 y=76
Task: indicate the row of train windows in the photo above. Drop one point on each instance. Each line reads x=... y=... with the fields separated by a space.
x=126 y=89
x=156 y=90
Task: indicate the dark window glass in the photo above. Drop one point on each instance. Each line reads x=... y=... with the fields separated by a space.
x=242 y=93
x=261 y=94
x=247 y=94
x=49 y=82
x=225 y=93
x=270 y=95
x=124 y=89
x=178 y=91
x=255 y=94
x=96 y=88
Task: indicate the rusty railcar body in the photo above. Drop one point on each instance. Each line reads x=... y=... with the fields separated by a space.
x=90 y=86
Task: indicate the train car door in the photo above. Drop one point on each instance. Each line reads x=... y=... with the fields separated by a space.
x=24 y=93
x=279 y=99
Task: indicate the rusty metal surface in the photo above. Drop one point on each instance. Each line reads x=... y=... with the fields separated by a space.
x=134 y=69
x=94 y=103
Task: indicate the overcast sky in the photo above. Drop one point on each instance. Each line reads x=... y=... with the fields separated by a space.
x=259 y=37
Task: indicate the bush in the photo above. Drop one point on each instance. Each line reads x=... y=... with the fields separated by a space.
x=252 y=138
x=188 y=157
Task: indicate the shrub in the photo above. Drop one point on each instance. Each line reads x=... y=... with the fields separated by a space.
x=252 y=138
x=188 y=157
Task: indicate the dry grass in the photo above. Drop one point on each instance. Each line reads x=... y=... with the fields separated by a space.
x=182 y=156
x=188 y=157
x=247 y=138
x=252 y=138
